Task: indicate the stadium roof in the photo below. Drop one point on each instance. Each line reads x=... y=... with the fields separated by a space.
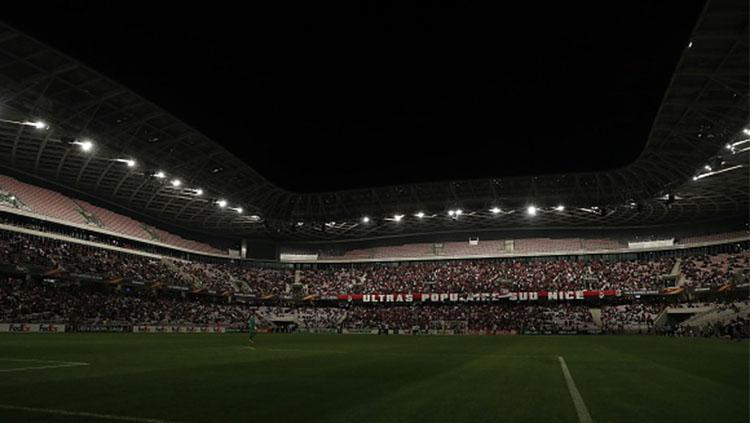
x=694 y=166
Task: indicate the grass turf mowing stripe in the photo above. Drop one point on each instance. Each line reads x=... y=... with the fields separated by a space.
x=79 y=414
x=583 y=412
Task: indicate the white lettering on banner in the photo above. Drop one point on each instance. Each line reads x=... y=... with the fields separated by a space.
x=477 y=296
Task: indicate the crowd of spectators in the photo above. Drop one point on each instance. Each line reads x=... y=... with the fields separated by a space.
x=736 y=328
x=714 y=270
x=34 y=302
x=84 y=235
x=635 y=317
x=484 y=318
x=29 y=301
x=490 y=276
x=464 y=276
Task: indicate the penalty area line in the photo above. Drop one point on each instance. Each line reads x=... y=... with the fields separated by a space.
x=43 y=364
x=60 y=412
x=583 y=412
x=296 y=350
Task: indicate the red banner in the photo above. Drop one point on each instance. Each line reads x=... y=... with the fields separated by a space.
x=443 y=297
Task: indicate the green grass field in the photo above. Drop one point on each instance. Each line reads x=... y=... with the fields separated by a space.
x=350 y=378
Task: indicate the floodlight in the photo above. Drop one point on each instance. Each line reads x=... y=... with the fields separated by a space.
x=37 y=124
x=86 y=145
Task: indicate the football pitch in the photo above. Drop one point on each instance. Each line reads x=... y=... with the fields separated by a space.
x=369 y=378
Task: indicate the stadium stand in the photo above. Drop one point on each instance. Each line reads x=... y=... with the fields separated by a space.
x=86 y=306
x=715 y=270
x=512 y=247
x=50 y=204
x=478 y=275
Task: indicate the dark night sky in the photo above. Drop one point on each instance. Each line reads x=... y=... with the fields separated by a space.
x=320 y=99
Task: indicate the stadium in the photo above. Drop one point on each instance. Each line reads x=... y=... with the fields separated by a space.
x=319 y=247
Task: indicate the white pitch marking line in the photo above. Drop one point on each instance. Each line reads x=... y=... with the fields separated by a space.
x=41 y=361
x=583 y=412
x=306 y=351
x=52 y=364
x=296 y=350
x=79 y=414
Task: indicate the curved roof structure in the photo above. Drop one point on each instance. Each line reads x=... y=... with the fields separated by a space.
x=694 y=166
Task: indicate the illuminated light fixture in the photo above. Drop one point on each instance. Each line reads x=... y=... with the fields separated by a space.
x=238 y=210
x=734 y=145
x=198 y=191
x=160 y=175
x=419 y=215
x=459 y=212
x=531 y=211
x=703 y=175
x=398 y=217
x=129 y=162
x=495 y=210
x=451 y=213
x=221 y=203
x=37 y=124
x=84 y=145
x=298 y=223
x=175 y=182
x=707 y=167
x=690 y=44
x=560 y=208
x=365 y=219
x=746 y=131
